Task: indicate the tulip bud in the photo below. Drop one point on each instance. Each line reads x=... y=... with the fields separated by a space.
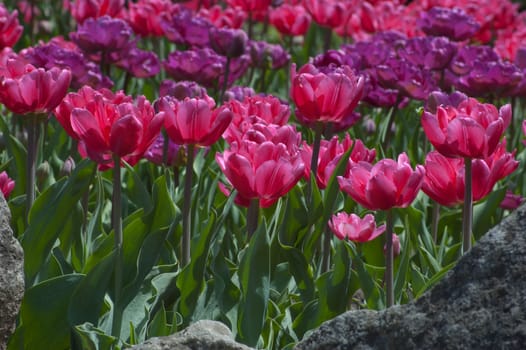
x=43 y=173
x=67 y=167
x=396 y=246
x=228 y=42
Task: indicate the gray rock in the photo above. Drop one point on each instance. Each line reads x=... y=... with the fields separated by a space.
x=203 y=334
x=11 y=275
x=480 y=304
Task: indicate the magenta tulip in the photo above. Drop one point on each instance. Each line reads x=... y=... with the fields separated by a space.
x=384 y=185
x=354 y=228
x=265 y=165
x=325 y=97
x=194 y=120
x=471 y=130
x=26 y=89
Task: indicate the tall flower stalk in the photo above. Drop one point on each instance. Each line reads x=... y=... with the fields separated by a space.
x=467 y=215
x=467 y=130
x=385 y=185
x=187 y=203
x=33 y=136
x=389 y=260
x=193 y=122
x=118 y=241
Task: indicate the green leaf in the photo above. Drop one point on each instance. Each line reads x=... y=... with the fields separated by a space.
x=333 y=287
x=44 y=313
x=403 y=268
x=88 y=337
x=254 y=277
x=91 y=291
x=191 y=279
x=436 y=278
x=484 y=213
x=136 y=191
x=371 y=291
x=48 y=214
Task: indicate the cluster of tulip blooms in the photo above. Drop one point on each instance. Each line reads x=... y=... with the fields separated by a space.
x=432 y=52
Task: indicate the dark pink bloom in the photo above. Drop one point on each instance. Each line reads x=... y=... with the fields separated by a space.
x=327 y=13
x=194 y=120
x=331 y=152
x=290 y=20
x=444 y=178
x=6 y=184
x=250 y=5
x=108 y=124
x=26 y=89
x=10 y=28
x=354 y=228
x=264 y=165
x=145 y=16
x=472 y=129
x=84 y=9
x=325 y=97
x=255 y=109
x=384 y=185
x=219 y=17
x=511 y=201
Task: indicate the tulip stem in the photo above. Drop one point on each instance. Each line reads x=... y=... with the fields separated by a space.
x=187 y=218
x=326 y=259
x=318 y=129
x=118 y=240
x=435 y=218
x=389 y=260
x=252 y=217
x=33 y=135
x=327 y=39
x=225 y=80
x=387 y=134
x=467 y=220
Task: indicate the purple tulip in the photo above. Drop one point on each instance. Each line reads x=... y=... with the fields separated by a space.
x=83 y=71
x=103 y=35
x=184 y=27
x=453 y=23
x=228 y=42
x=181 y=89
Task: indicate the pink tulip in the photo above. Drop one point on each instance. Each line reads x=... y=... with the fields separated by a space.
x=327 y=13
x=194 y=120
x=325 y=97
x=254 y=109
x=472 y=129
x=354 y=228
x=84 y=9
x=26 y=89
x=444 y=177
x=330 y=155
x=10 y=28
x=264 y=165
x=6 y=184
x=511 y=201
x=290 y=20
x=384 y=185
x=108 y=124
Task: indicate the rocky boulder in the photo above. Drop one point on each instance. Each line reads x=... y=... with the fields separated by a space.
x=11 y=275
x=480 y=304
x=205 y=334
